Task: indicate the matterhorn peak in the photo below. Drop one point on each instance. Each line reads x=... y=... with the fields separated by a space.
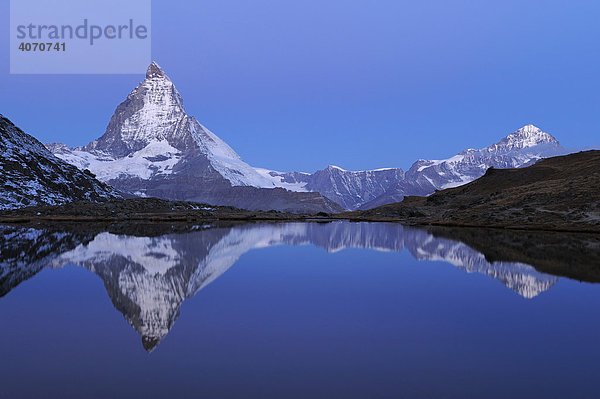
x=154 y=71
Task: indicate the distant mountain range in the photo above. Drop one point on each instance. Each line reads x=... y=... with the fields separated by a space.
x=558 y=193
x=149 y=278
x=371 y=188
x=152 y=147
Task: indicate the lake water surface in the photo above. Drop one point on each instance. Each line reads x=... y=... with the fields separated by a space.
x=306 y=310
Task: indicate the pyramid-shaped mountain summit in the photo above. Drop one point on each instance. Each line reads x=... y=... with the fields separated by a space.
x=153 y=148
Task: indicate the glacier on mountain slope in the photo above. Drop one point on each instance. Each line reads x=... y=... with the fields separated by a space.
x=144 y=163
x=278 y=180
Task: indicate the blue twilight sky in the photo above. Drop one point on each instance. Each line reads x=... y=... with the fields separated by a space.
x=298 y=85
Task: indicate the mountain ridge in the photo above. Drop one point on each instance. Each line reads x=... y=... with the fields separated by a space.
x=32 y=175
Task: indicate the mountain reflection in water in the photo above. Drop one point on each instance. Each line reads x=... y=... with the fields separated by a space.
x=148 y=278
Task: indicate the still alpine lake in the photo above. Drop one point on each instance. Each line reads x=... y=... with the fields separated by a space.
x=306 y=310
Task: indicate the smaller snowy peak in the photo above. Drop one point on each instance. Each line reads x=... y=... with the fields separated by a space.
x=528 y=136
x=155 y=71
x=519 y=148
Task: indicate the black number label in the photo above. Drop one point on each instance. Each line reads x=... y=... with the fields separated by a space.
x=23 y=46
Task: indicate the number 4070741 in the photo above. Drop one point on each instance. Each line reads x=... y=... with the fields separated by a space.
x=42 y=46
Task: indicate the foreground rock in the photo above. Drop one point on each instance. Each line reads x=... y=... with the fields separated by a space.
x=560 y=193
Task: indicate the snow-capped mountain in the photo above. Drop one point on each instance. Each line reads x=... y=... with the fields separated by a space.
x=519 y=149
x=371 y=188
x=149 y=278
x=31 y=175
x=152 y=147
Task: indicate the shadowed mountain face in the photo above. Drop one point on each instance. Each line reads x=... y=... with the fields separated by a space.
x=149 y=278
x=30 y=175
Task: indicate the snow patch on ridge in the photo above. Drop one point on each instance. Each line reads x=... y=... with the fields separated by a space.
x=157 y=158
x=277 y=179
